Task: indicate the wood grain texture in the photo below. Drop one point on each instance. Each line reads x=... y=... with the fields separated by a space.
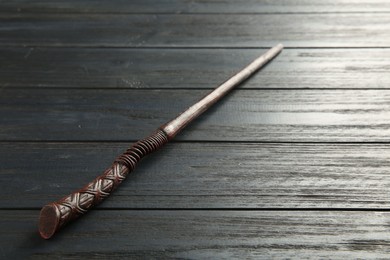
x=197 y=6
x=244 y=115
x=188 y=69
x=204 y=175
x=194 y=30
x=202 y=234
x=266 y=173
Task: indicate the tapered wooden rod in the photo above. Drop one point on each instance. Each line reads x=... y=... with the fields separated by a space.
x=57 y=214
x=173 y=127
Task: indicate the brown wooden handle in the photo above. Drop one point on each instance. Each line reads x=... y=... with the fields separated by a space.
x=57 y=214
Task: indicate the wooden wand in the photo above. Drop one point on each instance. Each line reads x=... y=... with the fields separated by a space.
x=55 y=215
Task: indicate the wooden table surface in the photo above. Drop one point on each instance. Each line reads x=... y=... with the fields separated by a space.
x=294 y=163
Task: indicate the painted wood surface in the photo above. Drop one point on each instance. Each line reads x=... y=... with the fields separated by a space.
x=191 y=69
x=196 y=6
x=245 y=115
x=205 y=175
x=140 y=234
x=293 y=164
x=196 y=30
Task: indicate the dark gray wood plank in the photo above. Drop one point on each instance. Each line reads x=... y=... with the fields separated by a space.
x=194 y=30
x=195 y=68
x=204 y=175
x=244 y=115
x=194 y=6
x=202 y=234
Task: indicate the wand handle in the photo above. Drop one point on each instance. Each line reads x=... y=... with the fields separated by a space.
x=55 y=215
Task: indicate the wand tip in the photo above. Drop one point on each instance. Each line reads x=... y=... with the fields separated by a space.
x=279 y=47
x=48 y=221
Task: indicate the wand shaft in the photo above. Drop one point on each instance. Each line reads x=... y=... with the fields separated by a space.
x=57 y=214
x=176 y=125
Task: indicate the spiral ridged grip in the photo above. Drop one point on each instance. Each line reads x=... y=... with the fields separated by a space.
x=55 y=215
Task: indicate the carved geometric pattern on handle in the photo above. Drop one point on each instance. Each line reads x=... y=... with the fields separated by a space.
x=57 y=214
x=78 y=203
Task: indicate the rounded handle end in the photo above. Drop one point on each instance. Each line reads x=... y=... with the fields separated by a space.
x=49 y=220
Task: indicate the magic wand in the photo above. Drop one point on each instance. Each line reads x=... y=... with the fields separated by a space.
x=55 y=215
